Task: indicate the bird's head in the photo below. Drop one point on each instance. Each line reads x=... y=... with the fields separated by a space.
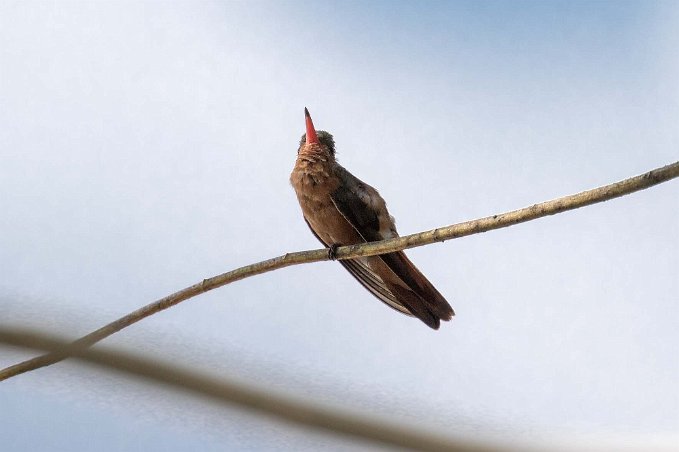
x=313 y=139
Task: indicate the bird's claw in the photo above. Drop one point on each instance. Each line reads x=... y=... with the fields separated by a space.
x=332 y=251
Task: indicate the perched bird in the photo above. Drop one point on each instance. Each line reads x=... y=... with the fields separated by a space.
x=340 y=210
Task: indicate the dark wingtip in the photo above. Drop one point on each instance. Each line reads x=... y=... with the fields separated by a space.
x=448 y=315
x=429 y=319
x=306 y=112
x=433 y=319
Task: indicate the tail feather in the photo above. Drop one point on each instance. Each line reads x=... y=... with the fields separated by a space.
x=403 y=268
x=414 y=304
x=410 y=288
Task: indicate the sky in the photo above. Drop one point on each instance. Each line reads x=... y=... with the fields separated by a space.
x=147 y=145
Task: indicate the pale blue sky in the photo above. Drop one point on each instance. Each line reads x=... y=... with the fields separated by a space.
x=148 y=145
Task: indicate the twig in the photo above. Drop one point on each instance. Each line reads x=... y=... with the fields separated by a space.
x=257 y=400
x=503 y=220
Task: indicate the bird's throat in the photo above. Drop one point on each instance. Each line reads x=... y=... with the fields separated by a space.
x=316 y=151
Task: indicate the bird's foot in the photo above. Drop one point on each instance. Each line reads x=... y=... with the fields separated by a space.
x=332 y=250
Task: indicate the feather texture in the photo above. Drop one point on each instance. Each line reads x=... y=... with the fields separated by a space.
x=340 y=209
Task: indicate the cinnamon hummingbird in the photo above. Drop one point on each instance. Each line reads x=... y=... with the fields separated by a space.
x=340 y=210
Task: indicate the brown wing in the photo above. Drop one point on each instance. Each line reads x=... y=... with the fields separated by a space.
x=398 y=274
x=368 y=279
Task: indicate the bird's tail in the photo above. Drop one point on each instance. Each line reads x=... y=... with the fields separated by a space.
x=414 y=291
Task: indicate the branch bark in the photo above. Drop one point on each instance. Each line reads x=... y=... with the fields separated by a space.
x=490 y=223
x=250 y=398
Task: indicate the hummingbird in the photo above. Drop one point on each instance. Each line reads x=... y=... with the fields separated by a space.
x=340 y=209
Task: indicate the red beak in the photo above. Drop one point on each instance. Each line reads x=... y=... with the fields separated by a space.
x=311 y=136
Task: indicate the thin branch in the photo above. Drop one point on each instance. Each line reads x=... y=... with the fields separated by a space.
x=257 y=400
x=503 y=220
